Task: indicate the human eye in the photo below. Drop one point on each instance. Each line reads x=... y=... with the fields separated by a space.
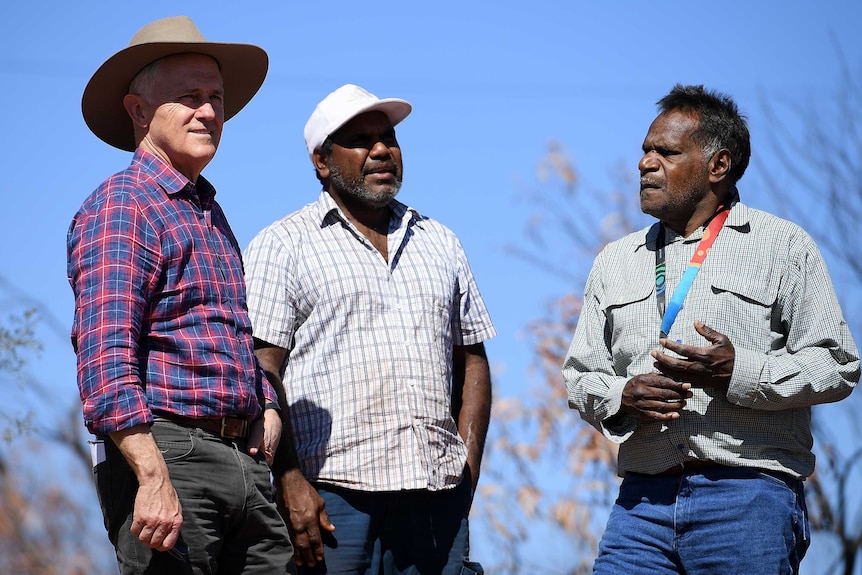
x=360 y=141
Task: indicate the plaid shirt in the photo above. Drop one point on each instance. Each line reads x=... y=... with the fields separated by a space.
x=160 y=312
x=765 y=286
x=370 y=343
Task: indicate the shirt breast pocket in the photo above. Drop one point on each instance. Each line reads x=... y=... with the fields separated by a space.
x=742 y=308
x=632 y=324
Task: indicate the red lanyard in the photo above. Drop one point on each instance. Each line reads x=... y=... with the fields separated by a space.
x=675 y=305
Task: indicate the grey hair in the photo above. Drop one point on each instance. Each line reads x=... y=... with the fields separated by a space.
x=143 y=82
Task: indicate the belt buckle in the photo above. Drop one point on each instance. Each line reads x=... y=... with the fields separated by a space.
x=228 y=431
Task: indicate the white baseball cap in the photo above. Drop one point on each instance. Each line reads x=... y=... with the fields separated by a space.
x=343 y=105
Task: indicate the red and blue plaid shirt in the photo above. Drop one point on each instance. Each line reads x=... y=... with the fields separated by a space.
x=161 y=322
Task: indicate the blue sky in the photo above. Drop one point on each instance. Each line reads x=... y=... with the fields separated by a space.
x=491 y=84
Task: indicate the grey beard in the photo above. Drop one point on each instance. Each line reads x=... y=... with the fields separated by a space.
x=357 y=189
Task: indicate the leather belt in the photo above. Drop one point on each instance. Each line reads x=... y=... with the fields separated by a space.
x=226 y=427
x=687 y=466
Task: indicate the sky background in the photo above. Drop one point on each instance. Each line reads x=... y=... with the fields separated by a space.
x=491 y=83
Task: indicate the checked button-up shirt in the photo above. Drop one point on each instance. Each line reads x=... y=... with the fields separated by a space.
x=160 y=322
x=369 y=343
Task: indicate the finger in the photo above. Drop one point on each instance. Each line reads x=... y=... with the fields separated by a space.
x=163 y=539
x=137 y=527
x=710 y=334
x=255 y=436
x=653 y=415
x=678 y=369
x=151 y=536
x=668 y=361
x=302 y=549
x=325 y=522
x=676 y=347
x=144 y=535
x=682 y=369
x=270 y=446
x=682 y=352
x=664 y=406
x=171 y=539
x=315 y=545
x=659 y=381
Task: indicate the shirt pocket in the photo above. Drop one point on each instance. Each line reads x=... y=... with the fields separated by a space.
x=632 y=322
x=741 y=307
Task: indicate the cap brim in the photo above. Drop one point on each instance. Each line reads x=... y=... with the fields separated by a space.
x=395 y=109
x=243 y=69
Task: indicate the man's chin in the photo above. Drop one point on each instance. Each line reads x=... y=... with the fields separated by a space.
x=379 y=201
x=383 y=195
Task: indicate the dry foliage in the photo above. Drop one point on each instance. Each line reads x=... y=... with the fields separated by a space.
x=815 y=166
x=44 y=529
x=549 y=478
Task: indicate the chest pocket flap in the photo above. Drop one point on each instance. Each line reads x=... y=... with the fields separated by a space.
x=624 y=294
x=751 y=289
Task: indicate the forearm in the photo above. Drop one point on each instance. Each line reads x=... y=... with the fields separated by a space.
x=158 y=514
x=141 y=452
x=472 y=402
x=271 y=359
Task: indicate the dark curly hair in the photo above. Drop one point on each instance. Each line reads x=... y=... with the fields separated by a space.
x=720 y=125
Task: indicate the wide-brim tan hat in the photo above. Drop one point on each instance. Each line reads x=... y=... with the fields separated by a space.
x=243 y=69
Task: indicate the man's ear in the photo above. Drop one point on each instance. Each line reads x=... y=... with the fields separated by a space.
x=318 y=158
x=135 y=107
x=719 y=165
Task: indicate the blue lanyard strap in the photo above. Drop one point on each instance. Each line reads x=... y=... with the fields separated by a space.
x=669 y=313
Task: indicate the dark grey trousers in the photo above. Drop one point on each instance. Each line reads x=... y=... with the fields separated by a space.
x=230 y=523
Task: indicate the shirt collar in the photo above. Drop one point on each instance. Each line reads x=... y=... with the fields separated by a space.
x=168 y=178
x=739 y=219
x=329 y=212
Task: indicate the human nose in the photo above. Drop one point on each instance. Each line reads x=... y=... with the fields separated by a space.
x=379 y=150
x=648 y=162
x=207 y=110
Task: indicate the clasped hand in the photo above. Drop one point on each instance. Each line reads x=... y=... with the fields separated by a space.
x=661 y=396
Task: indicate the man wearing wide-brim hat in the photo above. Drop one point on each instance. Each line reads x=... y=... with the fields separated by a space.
x=184 y=418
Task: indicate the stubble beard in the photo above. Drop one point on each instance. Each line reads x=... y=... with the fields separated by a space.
x=360 y=191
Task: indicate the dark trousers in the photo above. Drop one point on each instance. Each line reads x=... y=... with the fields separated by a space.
x=230 y=523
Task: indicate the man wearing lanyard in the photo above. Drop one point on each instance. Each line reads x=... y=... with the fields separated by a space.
x=702 y=344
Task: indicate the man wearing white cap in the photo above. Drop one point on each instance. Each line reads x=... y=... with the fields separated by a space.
x=184 y=417
x=370 y=314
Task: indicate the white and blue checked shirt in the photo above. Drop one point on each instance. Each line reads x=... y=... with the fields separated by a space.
x=369 y=342
x=763 y=284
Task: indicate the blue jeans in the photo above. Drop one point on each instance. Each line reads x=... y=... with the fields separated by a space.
x=395 y=533
x=721 y=520
x=230 y=523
